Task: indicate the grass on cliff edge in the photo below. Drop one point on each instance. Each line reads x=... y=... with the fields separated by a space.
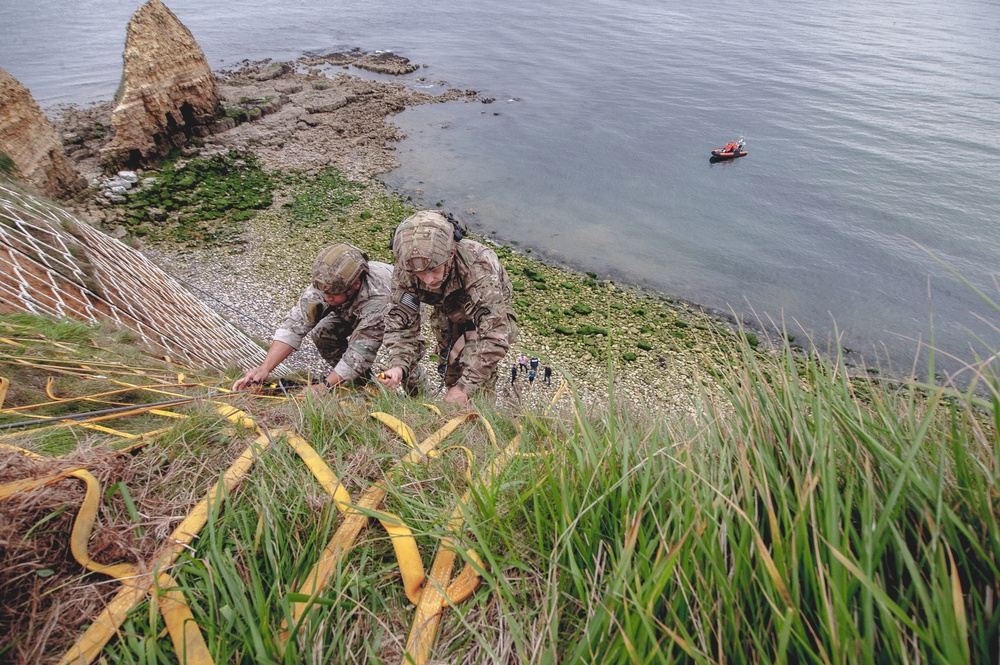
x=825 y=519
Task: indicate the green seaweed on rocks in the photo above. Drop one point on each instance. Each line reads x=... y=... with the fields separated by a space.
x=533 y=274
x=591 y=330
x=7 y=165
x=321 y=197
x=198 y=201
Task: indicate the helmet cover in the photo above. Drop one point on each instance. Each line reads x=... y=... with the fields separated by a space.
x=424 y=241
x=337 y=268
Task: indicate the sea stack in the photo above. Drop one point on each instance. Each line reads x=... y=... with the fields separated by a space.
x=168 y=92
x=30 y=149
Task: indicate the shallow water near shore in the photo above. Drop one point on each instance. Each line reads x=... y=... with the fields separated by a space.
x=868 y=128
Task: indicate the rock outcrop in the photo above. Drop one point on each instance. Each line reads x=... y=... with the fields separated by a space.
x=31 y=144
x=168 y=91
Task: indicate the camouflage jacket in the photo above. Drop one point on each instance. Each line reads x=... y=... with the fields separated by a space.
x=476 y=295
x=358 y=322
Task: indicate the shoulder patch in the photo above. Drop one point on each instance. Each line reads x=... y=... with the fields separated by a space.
x=410 y=301
x=314 y=312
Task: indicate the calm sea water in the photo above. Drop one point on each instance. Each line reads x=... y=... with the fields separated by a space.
x=873 y=130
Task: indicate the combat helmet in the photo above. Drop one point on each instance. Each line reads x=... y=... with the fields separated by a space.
x=337 y=268
x=424 y=240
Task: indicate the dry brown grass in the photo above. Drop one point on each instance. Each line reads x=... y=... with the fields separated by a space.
x=44 y=594
x=42 y=611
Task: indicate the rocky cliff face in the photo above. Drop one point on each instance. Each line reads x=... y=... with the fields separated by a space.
x=31 y=144
x=168 y=91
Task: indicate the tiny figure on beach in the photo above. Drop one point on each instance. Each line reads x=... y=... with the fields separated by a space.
x=548 y=375
x=534 y=363
x=513 y=374
x=531 y=376
x=522 y=362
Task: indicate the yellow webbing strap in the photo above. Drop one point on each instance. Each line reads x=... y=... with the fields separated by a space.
x=24 y=451
x=404 y=431
x=107 y=430
x=431 y=442
x=89 y=645
x=84 y=523
x=73 y=363
x=319 y=468
x=90 y=423
x=96 y=399
x=339 y=544
x=185 y=635
x=183 y=630
x=79 y=370
x=438 y=592
x=155 y=388
x=410 y=565
x=428 y=615
x=4 y=383
x=490 y=432
x=86 y=424
x=8 y=490
x=50 y=390
x=176 y=614
x=403 y=542
x=467 y=581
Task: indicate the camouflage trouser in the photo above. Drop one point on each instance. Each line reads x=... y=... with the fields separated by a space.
x=458 y=361
x=330 y=337
x=331 y=342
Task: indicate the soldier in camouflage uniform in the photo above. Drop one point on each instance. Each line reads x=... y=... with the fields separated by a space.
x=344 y=309
x=473 y=319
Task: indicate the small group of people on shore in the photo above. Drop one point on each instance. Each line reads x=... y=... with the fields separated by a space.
x=353 y=307
x=529 y=366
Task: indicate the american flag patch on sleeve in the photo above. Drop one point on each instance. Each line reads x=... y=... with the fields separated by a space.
x=410 y=301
